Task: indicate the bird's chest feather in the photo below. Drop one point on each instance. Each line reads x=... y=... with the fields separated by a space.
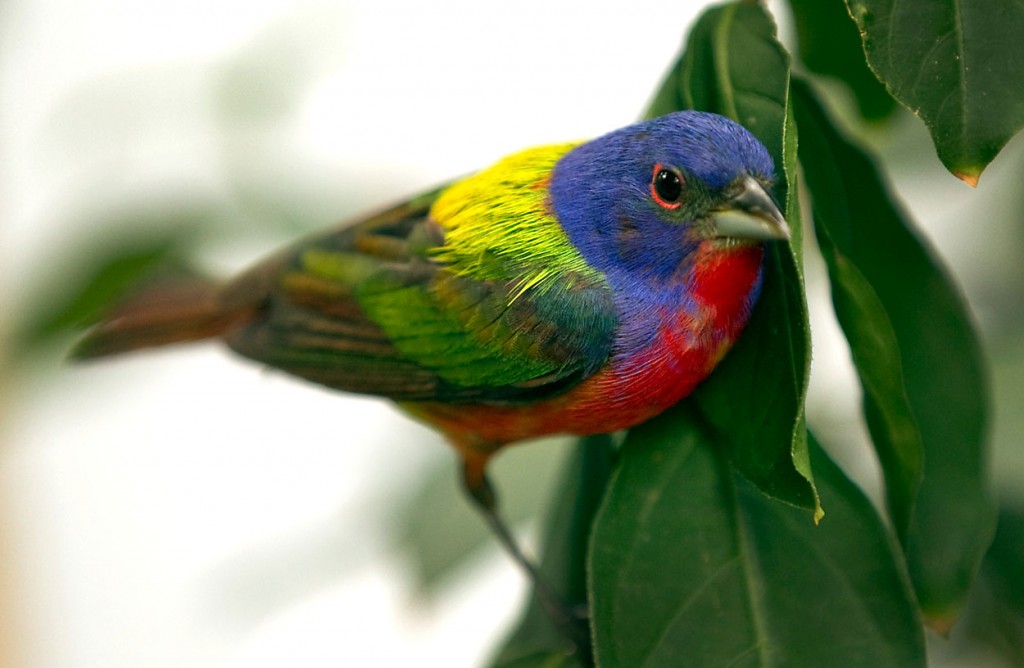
x=674 y=339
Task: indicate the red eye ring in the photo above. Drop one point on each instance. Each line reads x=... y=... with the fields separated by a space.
x=667 y=187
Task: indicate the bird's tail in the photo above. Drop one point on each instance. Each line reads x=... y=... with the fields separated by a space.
x=170 y=311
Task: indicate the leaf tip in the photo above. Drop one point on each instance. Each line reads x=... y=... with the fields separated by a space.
x=819 y=513
x=941 y=623
x=970 y=178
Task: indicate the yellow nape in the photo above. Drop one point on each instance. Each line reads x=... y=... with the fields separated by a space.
x=499 y=225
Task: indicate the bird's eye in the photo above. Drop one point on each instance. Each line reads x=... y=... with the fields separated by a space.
x=667 y=187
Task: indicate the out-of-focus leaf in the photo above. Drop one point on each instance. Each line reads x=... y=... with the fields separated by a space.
x=1005 y=559
x=540 y=659
x=521 y=477
x=955 y=63
x=948 y=523
x=992 y=626
x=829 y=44
x=436 y=547
x=536 y=642
x=735 y=66
x=692 y=565
x=99 y=273
x=876 y=356
x=1003 y=570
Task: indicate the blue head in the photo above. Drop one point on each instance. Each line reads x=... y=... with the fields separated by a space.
x=638 y=202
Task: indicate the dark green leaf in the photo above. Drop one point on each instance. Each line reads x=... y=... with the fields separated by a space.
x=669 y=572
x=536 y=642
x=955 y=63
x=691 y=565
x=735 y=66
x=1005 y=559
x=993 y=621
x=830 y=45
x=1004 y=572
x=879 y=264
x=873 y=343
x=836 y=594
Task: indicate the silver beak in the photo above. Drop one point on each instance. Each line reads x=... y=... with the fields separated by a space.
x=750 y=214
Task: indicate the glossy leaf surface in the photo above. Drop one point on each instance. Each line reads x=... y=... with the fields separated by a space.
x=955 y=63
x=692 y=565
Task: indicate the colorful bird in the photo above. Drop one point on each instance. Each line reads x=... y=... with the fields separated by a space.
x=578 y=288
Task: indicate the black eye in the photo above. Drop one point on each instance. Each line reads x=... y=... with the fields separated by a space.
x=667 y=187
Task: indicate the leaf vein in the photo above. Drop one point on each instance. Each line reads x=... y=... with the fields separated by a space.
x=923 y=69
x=690 y=601
x=860 y=607
x=756 y=608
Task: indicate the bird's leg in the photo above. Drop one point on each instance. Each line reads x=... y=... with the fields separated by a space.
x=571 y=620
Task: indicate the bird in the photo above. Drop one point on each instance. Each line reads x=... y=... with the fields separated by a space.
x=575 y=288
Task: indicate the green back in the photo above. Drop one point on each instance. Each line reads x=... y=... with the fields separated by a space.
x=473 y=293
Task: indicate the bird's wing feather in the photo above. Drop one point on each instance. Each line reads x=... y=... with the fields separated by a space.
x=371 y=309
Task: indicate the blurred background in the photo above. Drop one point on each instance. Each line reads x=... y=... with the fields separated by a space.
x=187 y=508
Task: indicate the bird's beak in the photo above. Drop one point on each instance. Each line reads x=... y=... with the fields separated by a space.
x=750 y=214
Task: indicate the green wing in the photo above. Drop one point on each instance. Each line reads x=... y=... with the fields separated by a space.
x=376 y=309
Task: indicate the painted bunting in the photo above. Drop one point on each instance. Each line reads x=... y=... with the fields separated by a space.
x=577 y=288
